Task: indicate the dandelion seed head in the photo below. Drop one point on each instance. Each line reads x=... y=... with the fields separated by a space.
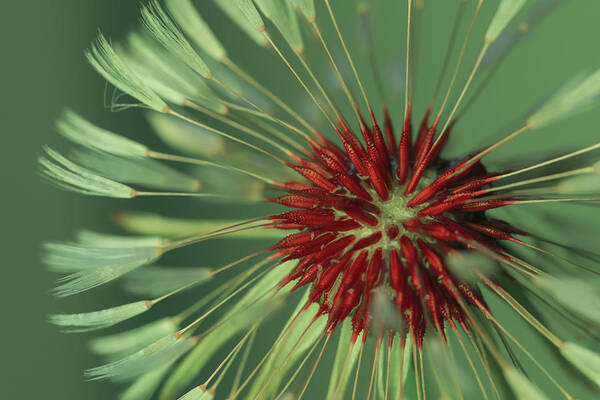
x=390 y=252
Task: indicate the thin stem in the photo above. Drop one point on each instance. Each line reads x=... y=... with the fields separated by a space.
x=204 y=237
x=551 y=161
x=336 y=69
x=465 y=88
x=374 y=367
x=345 y=47
x=299 y=368
x=312 y=372
x=354 y=387
x=136 y=193
x=243 y=128
x=319 y=85
x=240 y=370
x=231 y=354
x=407 y=80
x=239 y=71
x=472 y=365
x=546 y=178
x=218 y=305
x=370 y=49
x=221 y=133
x=458 y=65
x=449 y=50
x=416 y=369
x=295 y=73
x=188 y=160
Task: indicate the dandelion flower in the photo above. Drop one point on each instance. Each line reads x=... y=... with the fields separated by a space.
x=391 y=269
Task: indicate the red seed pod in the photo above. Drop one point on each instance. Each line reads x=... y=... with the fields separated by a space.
x=474 y=183
x=420 y=147
x=351 y=183
x=297 y=201
x=485 y=205
x=382 y=150
x=443 y=206
x=294 y=240
x=354 y=272
x=397 y=276
x=360 y=215
x=333 y=163
x=315 y=177
x=374 y=269
x=404 y=150
x=490 y=231
x=307 y=217
x=367 y=242
x=327 y=277
x=311 y=247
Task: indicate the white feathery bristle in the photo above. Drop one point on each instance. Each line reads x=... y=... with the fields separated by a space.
x=169 y=76
x=144 y=387
x=107 y=62
x=71 y=176
x=522 y=387
x=157 y=354
x=338 y=371
x=191 y=22
x=185 y=373
x=77 y=129
x=503 y=16
x=576 y=96
x=580 y=296
x=234 y=12
x=120 y=345
x=284 y=17
x=307 y=7
x=185 y=137
x=94 y=265
x=144 y=49
x=236 y=187
x=103 y=240
x=166 y=88
x=139 y=171
x=448 y=371
x=246 y=312
x=94 y=251
x=90 y=321
x=198 y=393
x=295 y=348
x=164 y=30
x=584 y=359
x=588 y=184
x=249 y=11
x=158 y=281
x=509 y=38
x=155 y=224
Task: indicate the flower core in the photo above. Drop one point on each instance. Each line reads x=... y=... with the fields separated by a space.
x=377 y=215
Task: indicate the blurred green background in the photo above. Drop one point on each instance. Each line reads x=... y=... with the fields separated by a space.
x=43 y=70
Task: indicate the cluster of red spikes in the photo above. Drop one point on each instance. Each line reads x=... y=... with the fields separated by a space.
x=347 y=246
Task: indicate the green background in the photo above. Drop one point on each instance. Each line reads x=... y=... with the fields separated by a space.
x=43 y=70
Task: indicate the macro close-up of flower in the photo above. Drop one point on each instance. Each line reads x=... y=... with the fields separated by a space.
x=330 y=200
